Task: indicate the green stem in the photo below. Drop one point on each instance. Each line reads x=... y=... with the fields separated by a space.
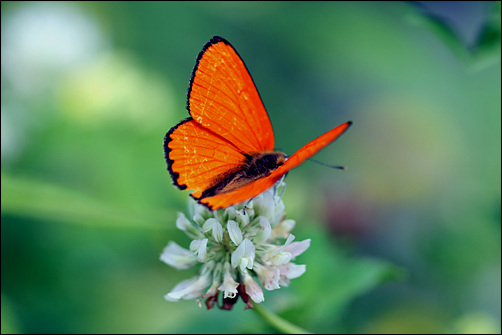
x=277 y=322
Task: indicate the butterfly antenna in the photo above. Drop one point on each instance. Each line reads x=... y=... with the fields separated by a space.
x=328 y=165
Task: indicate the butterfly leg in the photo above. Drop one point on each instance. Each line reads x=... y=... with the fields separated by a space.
x=246 y=206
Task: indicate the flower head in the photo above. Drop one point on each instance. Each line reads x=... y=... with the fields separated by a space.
x=239 y=248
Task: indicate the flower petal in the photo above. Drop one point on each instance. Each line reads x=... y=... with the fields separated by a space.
x=263 y=232
x=297 y=248
x=213 y=290
x=292 y=270
x=280 y=258
x=252 y=288
x=189 y=289
x=244 y=255
x=229 y=286
x=283 y=228
x=215 y=226
x=242 y=217
x=199 y=247
x=264 y=205
x=182 y=223
x=276 y=250
x=234 y=232
x=230 y=213
x=269 y=276
x=178 y=257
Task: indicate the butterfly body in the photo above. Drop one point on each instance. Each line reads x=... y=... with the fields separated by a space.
x=255 y=166
x=225 y=150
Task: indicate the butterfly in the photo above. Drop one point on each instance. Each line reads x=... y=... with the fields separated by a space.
x=225 y=150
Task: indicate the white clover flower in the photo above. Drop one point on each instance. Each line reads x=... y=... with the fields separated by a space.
x=239 y=247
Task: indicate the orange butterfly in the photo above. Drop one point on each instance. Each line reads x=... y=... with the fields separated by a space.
x=225 y=150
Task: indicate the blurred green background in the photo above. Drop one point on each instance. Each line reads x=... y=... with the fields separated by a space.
x=406 y=241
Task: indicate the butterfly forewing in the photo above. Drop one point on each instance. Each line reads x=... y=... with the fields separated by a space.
x=313 y=147
x=259 y=186
x=223 y=98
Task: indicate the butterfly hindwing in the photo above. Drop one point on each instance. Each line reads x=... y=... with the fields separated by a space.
x=198 y=158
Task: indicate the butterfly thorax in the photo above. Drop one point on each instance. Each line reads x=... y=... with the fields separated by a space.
x=254 y=167
x=261 y=164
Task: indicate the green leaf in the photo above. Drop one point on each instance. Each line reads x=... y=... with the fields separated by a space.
x=9 y=320
x=332 y=281
x=33 y=198
x=487 y=49
x=484 y=52
x=438 y=26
